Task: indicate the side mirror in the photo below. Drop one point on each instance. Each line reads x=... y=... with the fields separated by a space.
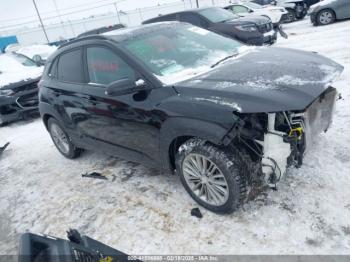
x=124 y=86
x=38 y=60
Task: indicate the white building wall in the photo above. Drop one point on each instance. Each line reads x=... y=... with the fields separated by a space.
x=70 y=29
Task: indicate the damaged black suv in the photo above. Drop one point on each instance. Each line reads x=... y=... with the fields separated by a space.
x=221 y=115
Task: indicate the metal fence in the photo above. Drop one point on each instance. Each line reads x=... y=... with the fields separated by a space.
x=71 y=28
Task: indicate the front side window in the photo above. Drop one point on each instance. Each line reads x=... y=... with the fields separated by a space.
x=181 y=51
x=217 y=15
x=105 y=67
x=239 y=9
x=70 y=68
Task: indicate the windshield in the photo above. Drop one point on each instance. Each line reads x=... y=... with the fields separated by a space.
x=180 y=53
x=217 y=15
x=23 y=60
x=253 y=5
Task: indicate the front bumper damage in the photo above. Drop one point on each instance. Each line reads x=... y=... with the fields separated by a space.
x=282 y=149
x=23 y=102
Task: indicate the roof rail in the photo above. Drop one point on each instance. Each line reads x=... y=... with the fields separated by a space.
x=83 y=38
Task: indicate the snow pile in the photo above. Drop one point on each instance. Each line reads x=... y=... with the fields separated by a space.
x=11 y=71
x=220 y=101
x=43 y=50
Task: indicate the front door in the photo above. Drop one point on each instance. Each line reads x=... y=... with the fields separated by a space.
x=126 y=123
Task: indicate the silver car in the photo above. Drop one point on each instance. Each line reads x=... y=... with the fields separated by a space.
x=328 y=11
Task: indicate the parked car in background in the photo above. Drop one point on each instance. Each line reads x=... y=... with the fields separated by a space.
x=102 y=29
x=38 y=53
x=297 y=9
x=221 y=115
x=274 y=13
x=328 y=11
x=12 y=47
x=252 y=30
x=19 y=76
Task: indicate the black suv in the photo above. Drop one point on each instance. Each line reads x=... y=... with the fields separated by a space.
x=297 y=9
x=252 y=30
x=221 y=115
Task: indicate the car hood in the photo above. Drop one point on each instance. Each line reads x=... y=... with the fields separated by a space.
x=251 y=19
x=12 y=72
x=264 y=80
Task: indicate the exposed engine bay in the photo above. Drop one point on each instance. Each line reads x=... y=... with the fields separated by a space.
x=278 y=140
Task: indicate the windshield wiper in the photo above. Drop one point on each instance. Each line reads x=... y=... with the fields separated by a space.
x=223 y=59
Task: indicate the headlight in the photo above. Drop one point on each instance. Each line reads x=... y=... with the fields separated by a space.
x=6 y=92
x=247 y=28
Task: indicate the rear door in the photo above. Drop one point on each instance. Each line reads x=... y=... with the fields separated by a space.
x=122 y=124
x=64 y=86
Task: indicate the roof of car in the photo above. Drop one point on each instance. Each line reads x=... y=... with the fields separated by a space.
x=102 y=29
x=120 y=35
x=193 y=10
x=131 y=32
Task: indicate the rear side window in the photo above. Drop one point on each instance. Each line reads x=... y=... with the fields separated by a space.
x=192 y=19
x=105 y=66
x=238 y=9
x=70 y=68
x=53 y=69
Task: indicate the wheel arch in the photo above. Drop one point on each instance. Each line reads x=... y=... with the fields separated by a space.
x=178 y=130
x=329 y=9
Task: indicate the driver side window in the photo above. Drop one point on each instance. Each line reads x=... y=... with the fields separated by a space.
x=105 y=66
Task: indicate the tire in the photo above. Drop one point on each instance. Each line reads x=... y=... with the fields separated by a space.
x=61 y=140
x=325 y=17
x=302 y=16
x=226 y=174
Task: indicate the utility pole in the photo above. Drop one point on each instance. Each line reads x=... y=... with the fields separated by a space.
x=59 y=16
x=197 y=3
x=116 y=9
x=41 y=22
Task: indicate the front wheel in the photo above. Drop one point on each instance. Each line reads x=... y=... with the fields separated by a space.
x=62 y=141
x=211 y=176
x=325 y=17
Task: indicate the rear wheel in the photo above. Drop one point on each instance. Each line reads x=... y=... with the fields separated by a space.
x=325 y=17
x=211 y=176
x=61 y=140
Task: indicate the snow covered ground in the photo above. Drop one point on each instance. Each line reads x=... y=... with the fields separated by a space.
x=141 y=211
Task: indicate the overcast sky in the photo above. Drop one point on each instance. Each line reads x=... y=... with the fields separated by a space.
x=22 y=12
